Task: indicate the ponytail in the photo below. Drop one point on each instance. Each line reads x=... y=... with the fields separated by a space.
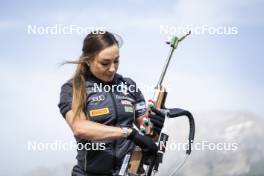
x=79 y=89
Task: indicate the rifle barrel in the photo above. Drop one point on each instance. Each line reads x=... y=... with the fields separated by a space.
x=174 y=43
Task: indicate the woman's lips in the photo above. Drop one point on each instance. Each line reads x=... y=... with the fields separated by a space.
x=110 y=76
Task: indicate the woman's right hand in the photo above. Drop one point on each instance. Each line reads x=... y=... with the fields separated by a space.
x=147 y=145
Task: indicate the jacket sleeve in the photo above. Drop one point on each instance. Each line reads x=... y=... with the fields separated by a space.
x=140 y=103
x=65 y=98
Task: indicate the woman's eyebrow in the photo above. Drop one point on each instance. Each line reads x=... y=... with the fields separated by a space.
x=108 y=59
x=105 y=59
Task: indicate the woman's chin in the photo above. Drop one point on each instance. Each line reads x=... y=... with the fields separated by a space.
x=108 y=79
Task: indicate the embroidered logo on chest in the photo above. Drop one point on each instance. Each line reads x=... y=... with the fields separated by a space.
x=97 y=99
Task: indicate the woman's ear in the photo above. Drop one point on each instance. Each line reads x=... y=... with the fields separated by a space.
x=88 y=63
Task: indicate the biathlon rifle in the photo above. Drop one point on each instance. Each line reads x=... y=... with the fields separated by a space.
x=134 y=163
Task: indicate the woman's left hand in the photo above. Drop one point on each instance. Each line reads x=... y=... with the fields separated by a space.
x=157 y=119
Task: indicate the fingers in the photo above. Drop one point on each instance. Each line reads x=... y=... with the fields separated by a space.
x=157 y=129
x=156 y=111
x=157 y=117
x=157 y=121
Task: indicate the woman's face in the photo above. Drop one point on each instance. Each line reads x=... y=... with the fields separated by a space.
x=105 y=65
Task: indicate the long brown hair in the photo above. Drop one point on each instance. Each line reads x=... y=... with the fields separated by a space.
x=93 y=44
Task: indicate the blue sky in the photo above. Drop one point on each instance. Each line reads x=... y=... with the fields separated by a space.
x=207 y=73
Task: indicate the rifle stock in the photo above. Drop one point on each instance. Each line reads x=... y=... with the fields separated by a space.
x=136 y=158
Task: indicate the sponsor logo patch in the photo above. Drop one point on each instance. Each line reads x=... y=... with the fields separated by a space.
x=124 y=98
x=129 y=109
x=126 y=102
x=97 y=99
x=97 y=112
x=140 y=105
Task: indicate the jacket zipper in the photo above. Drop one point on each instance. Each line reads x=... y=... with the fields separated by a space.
x=85 y=162
x=115 y=112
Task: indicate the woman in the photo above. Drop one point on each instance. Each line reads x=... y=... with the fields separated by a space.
x=103 y=117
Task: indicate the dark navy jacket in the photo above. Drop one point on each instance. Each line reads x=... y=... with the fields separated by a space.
x=115 y=104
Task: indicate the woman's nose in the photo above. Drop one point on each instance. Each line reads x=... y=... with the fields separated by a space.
x=112 y=68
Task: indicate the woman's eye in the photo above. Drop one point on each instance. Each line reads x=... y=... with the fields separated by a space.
x=105 y=64
x=108 y=63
